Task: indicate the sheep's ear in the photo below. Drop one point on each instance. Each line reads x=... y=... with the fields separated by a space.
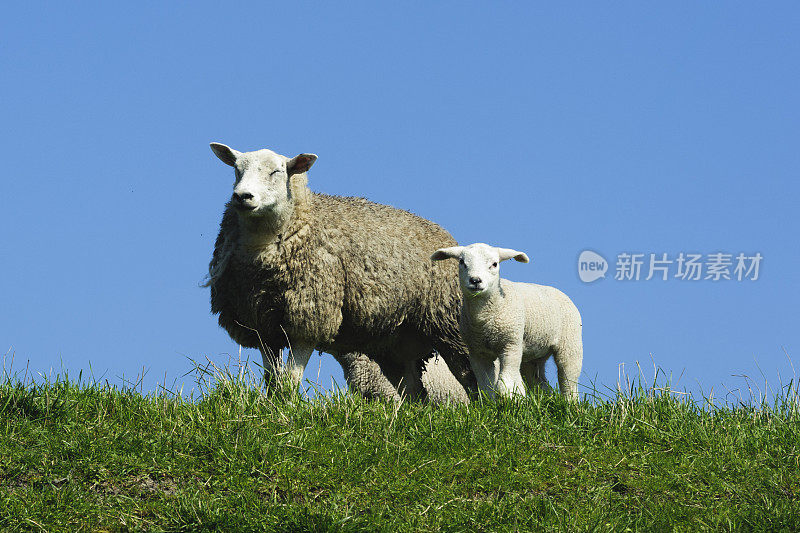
x=226 y=154
x=447 y=253
x=508 y=253
x=300 y=163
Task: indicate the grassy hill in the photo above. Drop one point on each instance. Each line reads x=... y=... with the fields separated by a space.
x=95 y=457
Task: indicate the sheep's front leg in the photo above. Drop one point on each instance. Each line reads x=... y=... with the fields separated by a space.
x=296 y=361
x=273 y=362
x=509 y=381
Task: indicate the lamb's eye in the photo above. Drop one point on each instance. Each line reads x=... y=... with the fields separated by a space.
x=461 y=262
x=275 y=171
x=494 y=265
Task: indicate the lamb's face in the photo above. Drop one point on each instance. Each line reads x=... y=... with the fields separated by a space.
x=261 y=187
x=478 y=265
x=478 y=268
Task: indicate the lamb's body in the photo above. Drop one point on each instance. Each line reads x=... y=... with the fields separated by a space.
x=511 y=334
x=341 y=275
x=512 y=328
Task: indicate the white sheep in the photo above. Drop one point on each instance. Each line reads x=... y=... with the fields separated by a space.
x=304 y=270
x=512 y=328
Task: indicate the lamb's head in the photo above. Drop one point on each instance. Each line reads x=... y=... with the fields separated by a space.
x=478 y=265
x=261 y=188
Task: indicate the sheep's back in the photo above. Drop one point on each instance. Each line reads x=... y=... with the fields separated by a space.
x=549 y=313
x=391 y=283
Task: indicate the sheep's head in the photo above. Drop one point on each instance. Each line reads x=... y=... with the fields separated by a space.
x=478 y=265
x=261 y=188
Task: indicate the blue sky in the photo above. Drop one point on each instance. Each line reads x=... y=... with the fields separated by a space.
x=548 y=128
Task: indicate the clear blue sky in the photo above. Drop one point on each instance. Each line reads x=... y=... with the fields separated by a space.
x=549 y=128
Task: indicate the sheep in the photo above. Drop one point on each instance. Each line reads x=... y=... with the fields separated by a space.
x=440 y=385
x=512 y=328
x=342 y=275
x=365 y=377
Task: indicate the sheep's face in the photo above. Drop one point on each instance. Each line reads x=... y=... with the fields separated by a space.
x=261 y=187
x=478 y=268
x=478 y=265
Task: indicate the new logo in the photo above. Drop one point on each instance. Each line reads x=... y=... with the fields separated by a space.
x=591 y=266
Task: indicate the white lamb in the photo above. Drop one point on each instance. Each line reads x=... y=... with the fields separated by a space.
x=512 y=328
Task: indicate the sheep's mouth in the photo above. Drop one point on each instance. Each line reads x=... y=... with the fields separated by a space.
x=246 y=208
x=474 y=290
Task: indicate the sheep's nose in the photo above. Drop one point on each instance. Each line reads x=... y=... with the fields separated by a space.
x=474 y=281
x=241 y=197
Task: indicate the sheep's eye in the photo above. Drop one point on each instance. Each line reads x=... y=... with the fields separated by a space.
x=274 y=171
x=494 y=265
x=461 y=262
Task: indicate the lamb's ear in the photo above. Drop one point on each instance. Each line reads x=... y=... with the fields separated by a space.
x=226 y=154
x=300 y=163
x=508 y=253
x=447 y=253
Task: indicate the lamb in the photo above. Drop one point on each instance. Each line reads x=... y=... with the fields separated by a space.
x=511 y=329
x=343 y=275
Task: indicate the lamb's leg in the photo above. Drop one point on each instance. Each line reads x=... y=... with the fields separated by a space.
x=487 y=372
x=509 y=381
x=569 y=360
x=533 y=374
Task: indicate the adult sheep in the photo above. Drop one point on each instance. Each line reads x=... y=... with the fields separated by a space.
x=343 y=275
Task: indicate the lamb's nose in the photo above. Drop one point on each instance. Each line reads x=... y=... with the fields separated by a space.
x=241 y=197
x=474 y=281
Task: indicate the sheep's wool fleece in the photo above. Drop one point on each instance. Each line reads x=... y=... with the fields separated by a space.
x=345 y=273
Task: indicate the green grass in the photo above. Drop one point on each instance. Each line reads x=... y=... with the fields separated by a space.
x=95 y=457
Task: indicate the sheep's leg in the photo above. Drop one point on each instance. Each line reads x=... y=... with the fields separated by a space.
x=440 y=384
x=541 y=375
x=509 y=381
x=382 y=378
x=533 y=374
x=404 y=374
x=366 y=377
x=487 y=372
x=569 y=360
x=404 y=367
x=409 y=385
x=460 y=365
x=296 y=361
x=528 y=371
x=273 y=363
